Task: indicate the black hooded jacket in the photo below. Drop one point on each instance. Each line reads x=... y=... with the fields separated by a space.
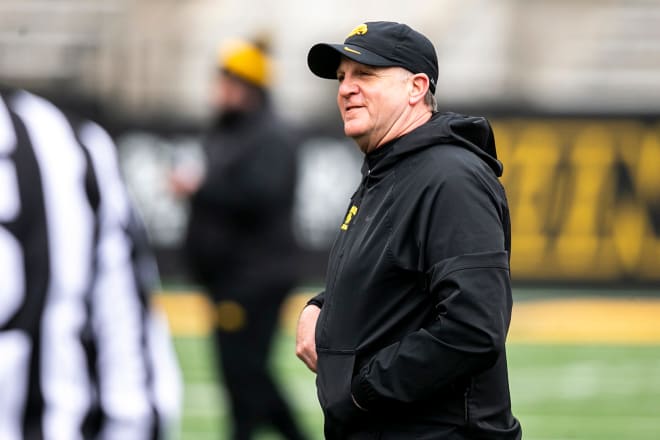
x=418 y=299
x=240 y=227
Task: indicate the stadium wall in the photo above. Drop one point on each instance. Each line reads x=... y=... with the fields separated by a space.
x=584 y=195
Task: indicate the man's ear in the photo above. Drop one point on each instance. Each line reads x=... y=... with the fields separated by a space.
x=419 y=86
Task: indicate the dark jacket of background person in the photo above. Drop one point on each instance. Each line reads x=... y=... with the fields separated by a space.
x=241 y=217
x=83 y=353
x=239 y=242
x=422 y=351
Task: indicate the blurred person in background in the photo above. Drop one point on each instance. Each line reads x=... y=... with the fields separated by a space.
x=83 y=354
x=408 y=339
x=240 y=243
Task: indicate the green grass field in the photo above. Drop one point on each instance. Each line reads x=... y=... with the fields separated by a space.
x=565 y=391
x=558 y=391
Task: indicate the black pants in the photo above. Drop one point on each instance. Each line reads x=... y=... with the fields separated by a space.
x=243 y=357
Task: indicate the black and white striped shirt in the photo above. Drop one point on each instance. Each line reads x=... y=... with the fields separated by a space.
x=81 y=353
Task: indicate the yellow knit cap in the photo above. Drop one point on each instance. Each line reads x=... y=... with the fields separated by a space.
x=245 y=60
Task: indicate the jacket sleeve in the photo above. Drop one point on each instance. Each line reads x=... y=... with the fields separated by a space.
x=317 y=300
x=130 y=396
x=462 y=233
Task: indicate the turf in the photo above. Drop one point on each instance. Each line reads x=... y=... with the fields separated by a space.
x=558 y=391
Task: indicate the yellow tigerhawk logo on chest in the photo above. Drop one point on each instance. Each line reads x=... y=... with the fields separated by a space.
x=360 y=30
x=349 y=216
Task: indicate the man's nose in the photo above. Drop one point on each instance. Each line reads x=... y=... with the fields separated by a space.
x=347 y=87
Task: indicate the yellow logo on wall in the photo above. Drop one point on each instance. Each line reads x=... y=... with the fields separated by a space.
x=584 y=198
x=360 y=30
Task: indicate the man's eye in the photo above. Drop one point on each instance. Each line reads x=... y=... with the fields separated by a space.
x=340 y=78
x=364 y=73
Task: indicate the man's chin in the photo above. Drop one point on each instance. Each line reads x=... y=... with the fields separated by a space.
x=353 y=131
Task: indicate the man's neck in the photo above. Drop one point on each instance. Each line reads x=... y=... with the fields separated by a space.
x=402 y=127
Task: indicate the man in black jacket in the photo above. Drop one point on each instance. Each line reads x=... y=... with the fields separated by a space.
x=240 y=242
x=408 y=339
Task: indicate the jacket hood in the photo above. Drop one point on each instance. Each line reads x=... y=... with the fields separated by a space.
x=473 y=133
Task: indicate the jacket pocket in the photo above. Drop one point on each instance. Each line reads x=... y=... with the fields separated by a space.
x=333 y=383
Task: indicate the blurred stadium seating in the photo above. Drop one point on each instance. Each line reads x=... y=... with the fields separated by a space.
x=584 y=188
x=150 y=57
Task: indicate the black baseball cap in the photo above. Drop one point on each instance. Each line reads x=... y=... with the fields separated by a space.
x=381 y=44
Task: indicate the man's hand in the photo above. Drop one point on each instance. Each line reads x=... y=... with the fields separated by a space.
x=306 y=336
x=183 y=181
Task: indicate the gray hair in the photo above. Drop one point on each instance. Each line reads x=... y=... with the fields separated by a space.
x=430 y=101
x=429 y=98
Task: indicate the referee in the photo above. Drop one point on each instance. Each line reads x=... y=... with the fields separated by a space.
x=82 y=355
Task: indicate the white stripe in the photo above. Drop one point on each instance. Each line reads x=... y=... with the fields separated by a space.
x=104 y=160
x=14 y=345
x=12 y=281
x=7 y=135
x=9 y=198
x=10 y=202
x=168 y=382
x=15 y=348
x=65 y=383
x=117 y=311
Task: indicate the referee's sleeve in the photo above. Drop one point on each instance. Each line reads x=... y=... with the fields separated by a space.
x=121 y=322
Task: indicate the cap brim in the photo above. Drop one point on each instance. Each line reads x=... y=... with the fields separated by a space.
x=323 y=59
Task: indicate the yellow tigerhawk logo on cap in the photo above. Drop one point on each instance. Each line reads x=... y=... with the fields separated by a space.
x=360 y=30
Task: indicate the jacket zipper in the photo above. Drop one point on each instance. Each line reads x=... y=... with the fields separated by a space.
x=355 y=201
x=466 y=398
x=365 y=183
x=344 y=243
